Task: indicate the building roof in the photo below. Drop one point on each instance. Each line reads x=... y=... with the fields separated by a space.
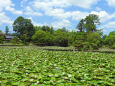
x=8 y=37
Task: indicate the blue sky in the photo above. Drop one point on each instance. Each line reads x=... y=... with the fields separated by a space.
x=58 y=13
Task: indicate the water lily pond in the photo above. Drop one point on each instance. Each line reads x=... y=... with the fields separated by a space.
x=31 y=66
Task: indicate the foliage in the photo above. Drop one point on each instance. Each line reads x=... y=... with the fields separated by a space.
x=113 y=46
x=7 y=30
x=16 y=40
x=19 y=67
x=2 y=38
x=23 y=28
x=80 y=26
x=80 y=39
x=110 y=39
x=71 y=38
x=61 y=37
x=89 y=38
x=44 y=28
x=42 y=38
x=89 y=23
x=88 y=41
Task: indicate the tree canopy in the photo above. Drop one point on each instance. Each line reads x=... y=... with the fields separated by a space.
x=23 y=28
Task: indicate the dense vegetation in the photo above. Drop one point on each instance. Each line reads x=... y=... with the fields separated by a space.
x=86 y=37
x=29 y=66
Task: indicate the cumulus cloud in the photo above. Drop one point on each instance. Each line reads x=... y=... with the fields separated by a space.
x=23 y=2
x=61 y=23
x=43 y=4
x=30 y=12
x=14 y=11
x=111 y=3
x=9 y=6
x=4 y=19
x=5 y=3
x=110 y=26
x=104 y=16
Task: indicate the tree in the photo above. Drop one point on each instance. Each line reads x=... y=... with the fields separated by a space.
x=7 y=30
x=88 y=36
x=80 y=39
x=61 y=38
x=2 y=37
x=110 y=39
x=91 y=22
x=42 y=38
x=47 y=29
x=71 y=37
x=88 y=41
x=80 y=26
x=23 y=28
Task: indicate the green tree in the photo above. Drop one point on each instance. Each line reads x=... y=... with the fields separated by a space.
x=88 y=41
x=23 y=28
x=6 y=30
x=88 y=36
x=61 y=38
x=71 y=37
x=42 y=38
x=2 y=37
x=91 y=22
x=47 y=29
x=80 y=39
x=80 y=26
x=110 y=39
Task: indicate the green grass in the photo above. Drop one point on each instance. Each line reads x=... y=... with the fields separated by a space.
x=31 y=66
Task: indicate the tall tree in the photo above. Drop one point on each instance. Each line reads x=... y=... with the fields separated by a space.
x=6 y=30
x=80 y=26
x=91 y=22
x=23 y=28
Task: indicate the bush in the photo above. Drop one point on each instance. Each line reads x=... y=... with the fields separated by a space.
x=42 y=38
x=16 y=40
x=113 y=46
x=2 y=39
x=91 y=41
x=61 y=38
x=110 y=39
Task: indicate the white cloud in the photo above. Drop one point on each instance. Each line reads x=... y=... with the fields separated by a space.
x=83 y=3
x=61 y=23
x=58 y=13
x=98 y=9
x=104 y=16
x=110 y=25
x=9 y=6
x=14 y=11
x=36 y=23
x=23 y=2
x=111 y=3
x=55 y=8
x=30 y=12
x=44 y=4
x=4 y=19
x=5 y=3
x=77 y=15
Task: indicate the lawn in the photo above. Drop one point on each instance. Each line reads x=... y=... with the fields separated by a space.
x=34 y=66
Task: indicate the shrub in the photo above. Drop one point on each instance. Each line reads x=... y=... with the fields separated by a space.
x=89 y=41
x=42 y=38
x=16 y=40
